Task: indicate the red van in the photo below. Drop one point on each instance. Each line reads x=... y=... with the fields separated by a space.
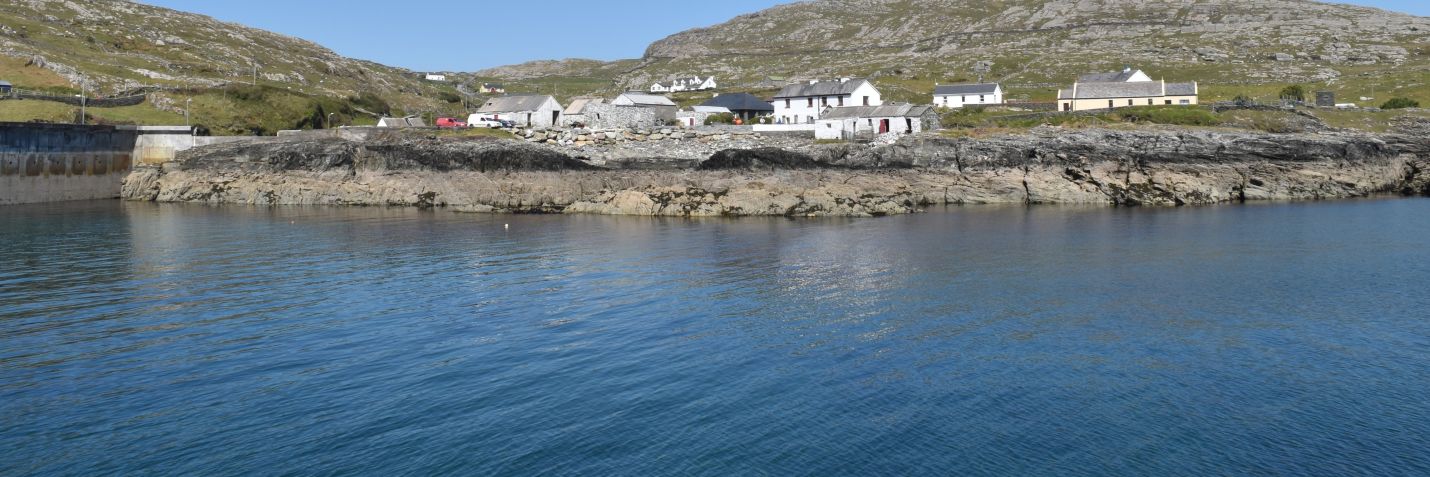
x=453 y=123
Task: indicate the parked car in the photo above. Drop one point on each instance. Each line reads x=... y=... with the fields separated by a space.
x=486 y=123
x=507 y=123
x=452 y=123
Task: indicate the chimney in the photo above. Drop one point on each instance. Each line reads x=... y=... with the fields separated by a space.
x=843 y=80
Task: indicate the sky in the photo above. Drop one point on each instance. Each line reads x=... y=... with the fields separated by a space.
x=468 y=35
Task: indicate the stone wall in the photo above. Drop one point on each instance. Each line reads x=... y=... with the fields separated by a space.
x=607 y=116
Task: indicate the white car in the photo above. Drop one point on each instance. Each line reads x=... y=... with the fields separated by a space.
x=483 y=122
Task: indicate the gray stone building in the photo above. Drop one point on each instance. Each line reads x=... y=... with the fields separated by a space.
x=662 y=106
x=529 y=110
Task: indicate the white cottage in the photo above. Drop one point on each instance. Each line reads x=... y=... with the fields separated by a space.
x=856 y=121
x=958 y=95
x=530 y=110
x=436 y=77
x=805 y=103
x=1123 y=89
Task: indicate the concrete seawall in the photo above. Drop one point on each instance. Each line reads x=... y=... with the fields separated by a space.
x=60 y=162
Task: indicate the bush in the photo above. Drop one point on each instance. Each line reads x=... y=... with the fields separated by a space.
x=1400 y=103
x=1243 y=100
x=721 y=118
x=1294 y=92
x=962 y=118
x=1175 y=115
x=449 y=97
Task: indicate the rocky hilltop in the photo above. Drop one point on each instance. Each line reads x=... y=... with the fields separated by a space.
x=1037 y=45
x=1046 y=166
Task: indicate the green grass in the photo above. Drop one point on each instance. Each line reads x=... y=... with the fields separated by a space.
x=30 y=110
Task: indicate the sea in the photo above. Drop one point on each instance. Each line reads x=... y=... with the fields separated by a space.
x=169 y=339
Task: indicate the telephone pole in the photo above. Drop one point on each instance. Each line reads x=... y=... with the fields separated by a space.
x=83 y=100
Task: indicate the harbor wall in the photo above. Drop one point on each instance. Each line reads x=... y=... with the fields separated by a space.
x=61 y=162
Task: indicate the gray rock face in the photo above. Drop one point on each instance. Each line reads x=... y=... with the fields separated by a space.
x=1048 y=166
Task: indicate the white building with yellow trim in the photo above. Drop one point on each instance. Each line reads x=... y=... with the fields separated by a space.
x=1124 y=89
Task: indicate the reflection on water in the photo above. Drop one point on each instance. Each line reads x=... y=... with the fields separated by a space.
x=180 y=339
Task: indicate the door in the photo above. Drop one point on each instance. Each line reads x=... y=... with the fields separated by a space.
x=908 y=126
x=528 y=119
x=555 y=118
x=883 y=126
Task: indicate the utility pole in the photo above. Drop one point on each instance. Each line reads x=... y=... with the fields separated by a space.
x=188 y=103
x=83 y=101
x=255 y=72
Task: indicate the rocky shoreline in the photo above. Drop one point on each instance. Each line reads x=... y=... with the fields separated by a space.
x=1156 y=167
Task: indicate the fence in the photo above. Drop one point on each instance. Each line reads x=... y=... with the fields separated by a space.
x=17 y=94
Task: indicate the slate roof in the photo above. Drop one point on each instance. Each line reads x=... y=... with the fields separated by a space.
x=646 y=99
x=822 y=88
x=1181 y=89
x=885 y=111
x=1114 y=77
x=492 y=85
x=1141 y=89
x=960 y=89
x=403 y=122
x=578 y=105
x=514 y=103
x=740 y=102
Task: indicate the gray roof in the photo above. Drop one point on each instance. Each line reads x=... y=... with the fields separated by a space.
x=5 y=83
x=578 y=105
x=1114 y=77
x=1182 y=89
x=409 y=122
x=1141 y=89
x=710 y=109
x=646 y=99
x=514 y=103
x=822 y=88
x=740 y=102
x=953 y=89
x=885 y=111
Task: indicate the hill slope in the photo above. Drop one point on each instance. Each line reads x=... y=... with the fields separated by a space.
x=910 y=44
x=119 y=46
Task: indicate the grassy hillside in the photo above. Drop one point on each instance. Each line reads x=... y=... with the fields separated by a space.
x=118 y=46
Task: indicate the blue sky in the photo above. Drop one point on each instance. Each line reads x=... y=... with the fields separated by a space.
x=467 y=35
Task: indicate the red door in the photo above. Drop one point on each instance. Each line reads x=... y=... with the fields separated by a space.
x=883 y=126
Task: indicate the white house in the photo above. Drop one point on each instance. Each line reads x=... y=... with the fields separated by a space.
x=436 y=77
x=530 y=110
x=1123 y=89
x=854 y=121
x=958 y=95
x=804 y=103
x=693 y=83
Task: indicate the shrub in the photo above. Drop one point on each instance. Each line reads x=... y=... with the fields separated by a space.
x=1243 y=100
x=1400 y=103
x=721 y=118
x=1294 y=92
x=1177 y=116
x=962 y=118
x=449 y=97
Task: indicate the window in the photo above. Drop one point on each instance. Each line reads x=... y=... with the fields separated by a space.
x=841 y=101
x=1186 y=101
x=811 y=102
x=963 y=99
x=1169 y=101
x=1110 y=105
x=824 y=101
x=786 y=103
x=980 y=98
x=866 y=100
x=1129 y=102
x=1149 y=101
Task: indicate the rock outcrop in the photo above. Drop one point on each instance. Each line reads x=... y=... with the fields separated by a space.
x=1048 y=166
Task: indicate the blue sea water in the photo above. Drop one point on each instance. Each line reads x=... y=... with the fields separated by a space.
x=1285 y=339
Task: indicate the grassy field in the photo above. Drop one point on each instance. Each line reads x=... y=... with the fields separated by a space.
x=29 y=110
